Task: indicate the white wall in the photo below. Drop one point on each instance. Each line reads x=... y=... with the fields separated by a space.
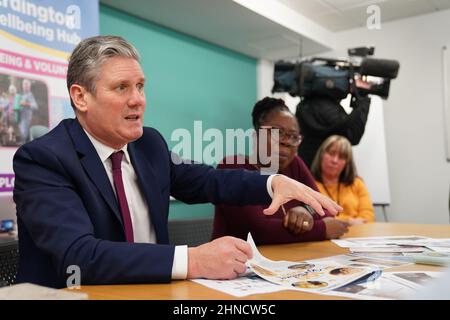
x=419 y=174
x=418 y=171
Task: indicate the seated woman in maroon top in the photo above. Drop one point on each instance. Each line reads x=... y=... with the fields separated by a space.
x=297 y=222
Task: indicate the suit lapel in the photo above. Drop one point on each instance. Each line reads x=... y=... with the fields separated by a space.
x=94 y=167
x=151 y=190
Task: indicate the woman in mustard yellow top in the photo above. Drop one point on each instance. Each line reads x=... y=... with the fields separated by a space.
x=335 y=173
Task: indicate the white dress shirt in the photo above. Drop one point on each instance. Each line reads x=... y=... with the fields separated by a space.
x=143 y=229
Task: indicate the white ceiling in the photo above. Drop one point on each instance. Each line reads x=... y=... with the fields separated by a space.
x=337 y=15
x=270 y=29
x=225 y=23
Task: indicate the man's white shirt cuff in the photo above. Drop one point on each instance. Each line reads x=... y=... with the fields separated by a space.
x=180 y=258
x=180 y=263
x=269 y=184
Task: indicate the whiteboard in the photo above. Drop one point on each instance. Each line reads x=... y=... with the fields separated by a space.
x=446 y=106
x=370 y=155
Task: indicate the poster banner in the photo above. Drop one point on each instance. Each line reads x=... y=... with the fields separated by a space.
x=36 y=38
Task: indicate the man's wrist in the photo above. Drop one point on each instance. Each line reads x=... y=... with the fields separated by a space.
x=192 y=267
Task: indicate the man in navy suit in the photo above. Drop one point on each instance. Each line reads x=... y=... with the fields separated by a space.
x=94 y=192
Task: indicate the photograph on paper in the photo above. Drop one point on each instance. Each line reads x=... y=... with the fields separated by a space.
x=383 y=288
x=309 y=276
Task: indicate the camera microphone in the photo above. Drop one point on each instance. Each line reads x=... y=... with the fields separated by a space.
x=382 y=68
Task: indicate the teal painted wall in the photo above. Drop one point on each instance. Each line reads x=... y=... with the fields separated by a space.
x=187 y=80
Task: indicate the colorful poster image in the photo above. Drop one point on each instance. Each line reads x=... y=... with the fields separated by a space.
x=24 y=112
x=36 y=39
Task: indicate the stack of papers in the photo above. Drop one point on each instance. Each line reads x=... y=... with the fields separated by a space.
x=433 y=258
x=412 y=248
x=359 y=275
x=391 y=285
x=308 y=276
x=395 y=244
x=439 y=245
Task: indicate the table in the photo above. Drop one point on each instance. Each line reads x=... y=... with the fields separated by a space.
x=188 y=290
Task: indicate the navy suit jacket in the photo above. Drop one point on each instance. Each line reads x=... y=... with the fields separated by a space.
x=67 y=212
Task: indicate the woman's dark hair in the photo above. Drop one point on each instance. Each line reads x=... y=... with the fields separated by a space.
x=265 y=106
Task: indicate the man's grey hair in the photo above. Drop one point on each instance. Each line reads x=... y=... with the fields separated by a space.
x=89 y=55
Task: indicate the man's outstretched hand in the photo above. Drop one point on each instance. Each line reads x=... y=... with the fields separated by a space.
x=286 y=189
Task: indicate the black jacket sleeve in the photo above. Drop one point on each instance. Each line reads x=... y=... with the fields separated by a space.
x=322 y=116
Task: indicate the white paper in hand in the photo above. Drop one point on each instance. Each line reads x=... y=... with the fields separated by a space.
x=257 y=256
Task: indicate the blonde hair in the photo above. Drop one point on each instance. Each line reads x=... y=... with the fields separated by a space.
x=344 y=147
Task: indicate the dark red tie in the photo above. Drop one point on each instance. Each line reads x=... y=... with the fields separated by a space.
x=116 y=160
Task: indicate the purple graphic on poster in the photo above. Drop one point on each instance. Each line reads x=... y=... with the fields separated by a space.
x=6 y=182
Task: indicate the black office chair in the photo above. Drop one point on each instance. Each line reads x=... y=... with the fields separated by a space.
x=192 y=232
x=9 y=257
